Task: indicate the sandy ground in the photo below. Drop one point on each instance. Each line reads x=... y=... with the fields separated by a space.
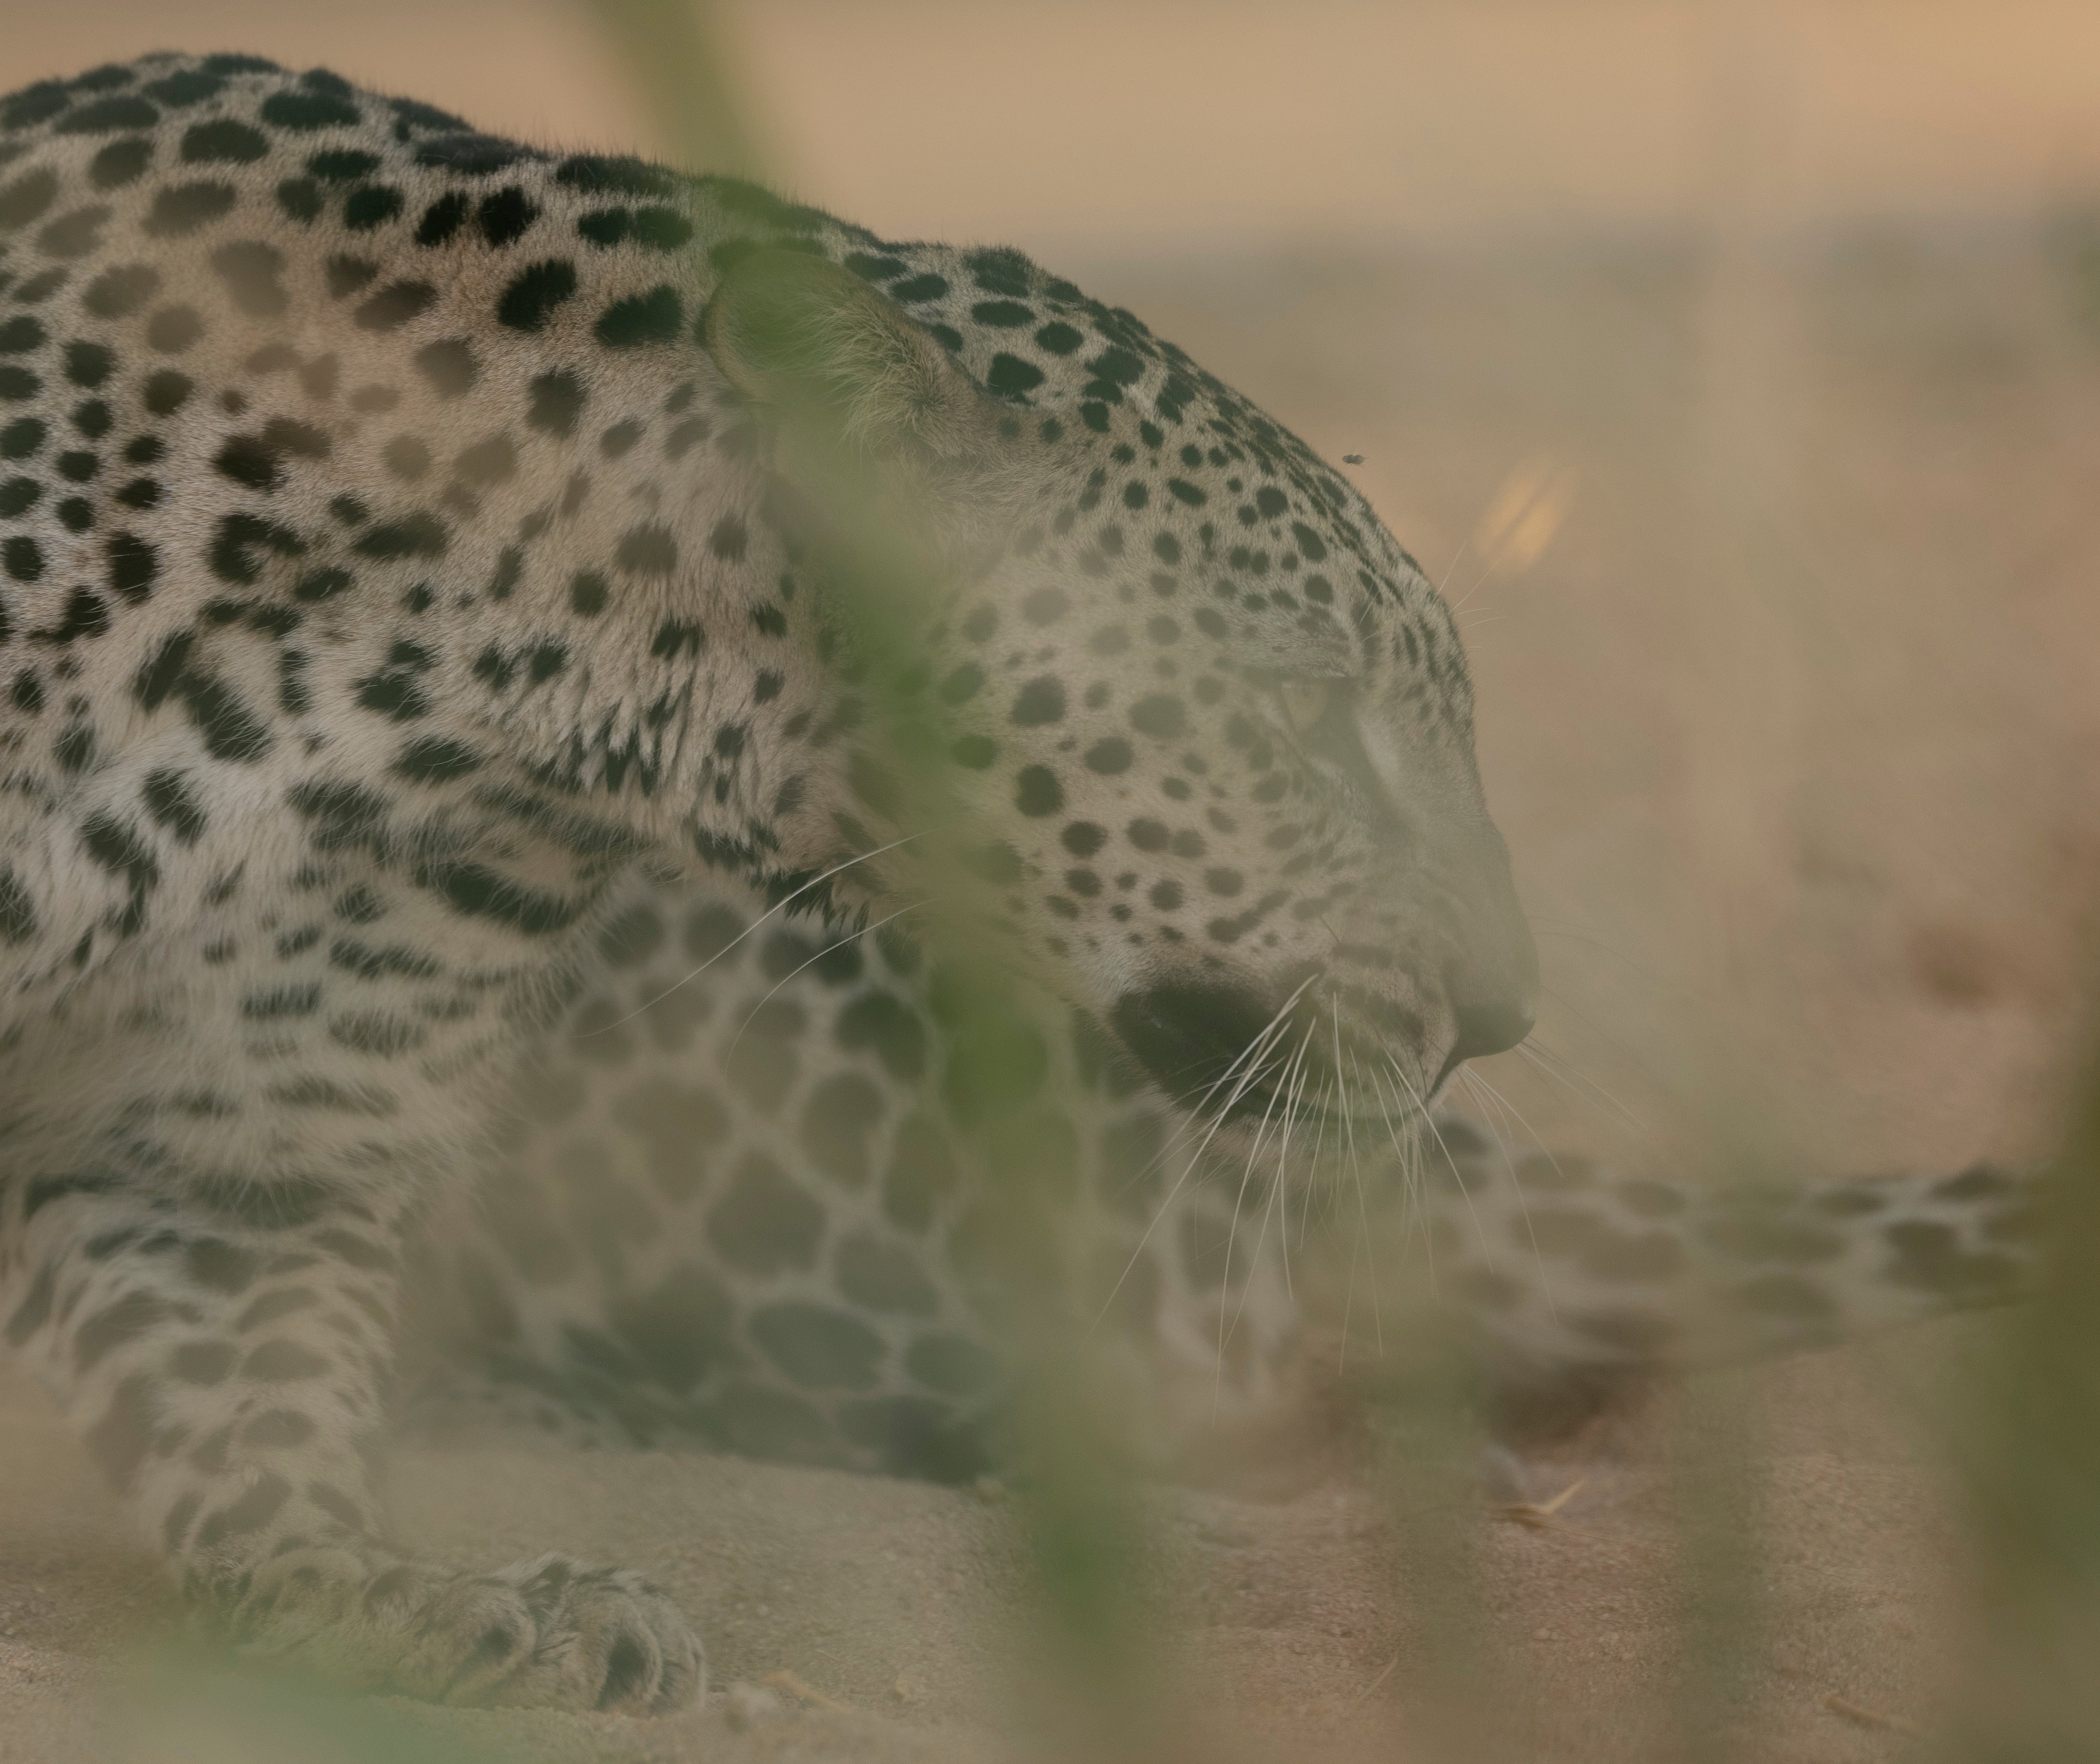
x=1784 y=682
x=1290 y=1623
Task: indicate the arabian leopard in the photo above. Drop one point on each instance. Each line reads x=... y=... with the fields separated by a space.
x=535 y=688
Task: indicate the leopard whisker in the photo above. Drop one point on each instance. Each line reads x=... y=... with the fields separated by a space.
x=1453 y=565
x=852 y=937
x=1254 y=1262
x=1604 y=1036
x=779 y=906
x=1479 y=1081
x=1254 y=1048
x=1309 y=1189
x=1479 y=582
x=1548 y=927
x=1280 y=1194
x=1479 y=1230
x=1408 y=1148
x=1191 y=1119
x=1363 y=1213
x=1231 y=1231
x=1476 y=1086
x=1558 y=1067
x=1278 y=1204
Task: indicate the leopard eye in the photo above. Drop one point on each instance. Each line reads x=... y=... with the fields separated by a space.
x=1304 y=703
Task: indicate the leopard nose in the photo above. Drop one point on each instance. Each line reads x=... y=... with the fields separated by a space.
x=1488 y=1023
x=1493 y=1005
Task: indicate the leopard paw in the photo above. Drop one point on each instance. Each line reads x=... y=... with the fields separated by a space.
x=548 y=1633
x=605 y=1638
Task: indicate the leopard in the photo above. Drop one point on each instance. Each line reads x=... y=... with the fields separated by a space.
x=599 y=762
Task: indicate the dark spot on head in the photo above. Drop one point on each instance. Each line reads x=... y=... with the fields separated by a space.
x=529 y=302
x=655 y=317
x=504 y=216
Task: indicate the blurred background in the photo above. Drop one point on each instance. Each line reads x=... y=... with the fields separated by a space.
x=1736 y=364
x=1108 y=129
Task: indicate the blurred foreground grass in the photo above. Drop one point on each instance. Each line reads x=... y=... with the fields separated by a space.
x=2027 y=1443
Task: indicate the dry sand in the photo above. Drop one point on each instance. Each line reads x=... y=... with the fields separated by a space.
x=902 y=1601
x=1871 y=958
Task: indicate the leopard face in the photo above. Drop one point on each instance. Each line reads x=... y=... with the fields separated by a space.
x=1209 y=725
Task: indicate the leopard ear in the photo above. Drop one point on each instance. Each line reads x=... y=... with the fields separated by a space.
x=817 y=347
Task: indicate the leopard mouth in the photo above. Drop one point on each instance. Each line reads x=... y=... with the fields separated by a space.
x=1194 y=1042
x=1225 y=1053
x=1313 y=1113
